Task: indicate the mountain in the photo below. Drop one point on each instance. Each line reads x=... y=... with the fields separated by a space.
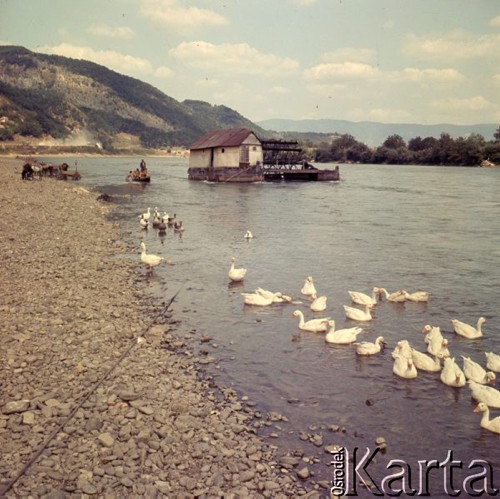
x=48 y=99
x=374 y=134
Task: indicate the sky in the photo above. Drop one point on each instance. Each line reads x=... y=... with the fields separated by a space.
x=391 y=61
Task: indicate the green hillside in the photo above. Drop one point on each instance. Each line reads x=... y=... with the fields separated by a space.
x=48 y=98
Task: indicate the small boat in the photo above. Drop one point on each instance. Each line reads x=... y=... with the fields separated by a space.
x=145 y=178
x=141 y=174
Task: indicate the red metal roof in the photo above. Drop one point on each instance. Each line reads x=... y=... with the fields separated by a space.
x=222 y=138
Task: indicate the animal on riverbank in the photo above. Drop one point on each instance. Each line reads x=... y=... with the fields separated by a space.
x=149 y=259
x=27 y=173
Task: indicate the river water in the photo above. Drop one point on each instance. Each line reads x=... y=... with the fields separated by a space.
x=412 y=227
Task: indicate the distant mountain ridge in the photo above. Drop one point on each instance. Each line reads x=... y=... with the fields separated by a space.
x=374 y=134
x=62 y=100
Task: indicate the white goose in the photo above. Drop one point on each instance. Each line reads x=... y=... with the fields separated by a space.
x=248 y=235
x=369 y=348
x=308 y=288
x=424 y=362
x=403 y=349
x=418 y=296
x=487 y=423
x=451 y=374
x=438 y=346
x=313 y=325
x=277 y=297
x=477 y=373
x=150 y=260
x=468 y=331
x=492 y=361
x=395 y=297
x=341 y=336
x=318 y=303
x=146 y=215
x=356 y=314
x=144 y=223
x=257 y=299
x=483 y=393
x=236 y=274
x=404 y=367
x=364 y=299
x=431 y=333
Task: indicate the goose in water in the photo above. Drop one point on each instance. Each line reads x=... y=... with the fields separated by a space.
x=156 y=221
x=483 y=393
x=356 y=314
x=404 y=367
x=468 y=331
x=492 y=361
x=248 y=235
x=162 y=226
x=236 y=274
x=172 y=220
x=364 y=299
x=431 y=333
x=341 y=336
x=451 y=374
x=396 y=297
x=277 y=297
x=438 y=346
x=144 y=223
x=403 y=349
x=424 y=362
x=418 y=296
x=369 y=348
x=150 y=260
x=308 y=288
x=313 y=325
x=318 y=303
x=146 y=215
x=477 y=373
x=178 y=227
x=257 y=299
x=487 y=423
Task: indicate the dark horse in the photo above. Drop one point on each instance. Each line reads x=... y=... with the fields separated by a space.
x=27 y=173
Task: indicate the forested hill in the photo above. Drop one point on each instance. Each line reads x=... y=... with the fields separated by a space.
x=373 y=134
x=55 y=97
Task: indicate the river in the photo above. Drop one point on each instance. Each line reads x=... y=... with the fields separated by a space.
x=411 y=227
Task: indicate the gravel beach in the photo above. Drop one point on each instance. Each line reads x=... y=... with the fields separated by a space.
x=100 y=392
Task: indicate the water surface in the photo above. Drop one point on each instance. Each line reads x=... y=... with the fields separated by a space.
x=418 y=228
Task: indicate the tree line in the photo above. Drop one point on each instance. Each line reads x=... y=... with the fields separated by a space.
x=446 y=151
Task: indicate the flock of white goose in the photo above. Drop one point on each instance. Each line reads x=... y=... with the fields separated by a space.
x=407 y=360
x=159 y=222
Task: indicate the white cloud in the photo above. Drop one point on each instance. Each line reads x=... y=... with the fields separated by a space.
x=207 y=82
x=349 y=54
x=280 y=90
x=113 y=60
x=163 y=72
x=455 y=45
x=120 y=32
x=304 y=3
x=343 y=70
x=476 y=103
x=238 y=58
x=446 y=75
x=387 y=115
x=389 y=24
x=495 y=22
x=357 y=71
x=173 y=15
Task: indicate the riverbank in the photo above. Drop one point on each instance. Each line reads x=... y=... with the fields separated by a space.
x=101 y=393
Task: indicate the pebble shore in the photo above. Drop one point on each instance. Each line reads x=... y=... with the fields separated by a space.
x=100 y=391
